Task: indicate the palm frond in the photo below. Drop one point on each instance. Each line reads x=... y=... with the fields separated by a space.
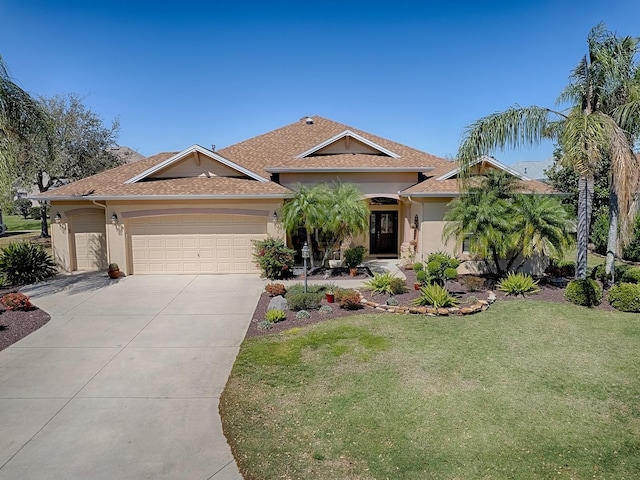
x=514 y=128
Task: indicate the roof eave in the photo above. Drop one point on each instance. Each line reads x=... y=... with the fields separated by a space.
x=253 y=196
x=180 y=155
x=349 y=169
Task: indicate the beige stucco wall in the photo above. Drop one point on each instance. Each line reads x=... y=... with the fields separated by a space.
x=375 y=183
x=117 y=241
x=431 y=227
x=196 y=165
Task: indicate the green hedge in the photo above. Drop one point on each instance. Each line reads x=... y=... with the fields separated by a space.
x=625 y=297
x=585 y=292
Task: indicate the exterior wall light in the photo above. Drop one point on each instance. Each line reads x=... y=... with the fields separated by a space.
x=114 y=218
x=58 y=217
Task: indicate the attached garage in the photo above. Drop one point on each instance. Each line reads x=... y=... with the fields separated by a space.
x=89 y=237
x=175 y=244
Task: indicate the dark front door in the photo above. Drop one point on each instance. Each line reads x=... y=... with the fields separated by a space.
x=383 y=229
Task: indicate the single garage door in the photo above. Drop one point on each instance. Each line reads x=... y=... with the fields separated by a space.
x=195 y=243
x=90 y=244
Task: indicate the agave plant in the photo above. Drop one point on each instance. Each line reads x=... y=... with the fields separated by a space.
x=435 y=295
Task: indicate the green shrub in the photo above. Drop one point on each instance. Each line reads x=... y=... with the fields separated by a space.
x=274 y=258
x=625 y=297
x=422 y=276
x=325 y=310
x=585 y=292
x=418 y=266
x=275 y=289
x=23 y=207
x=265 y=325
x=438 y=263
x=562 y=268
x=435 y=295
x=349 y=299
x=303 y=314
x=354 y=256
x=450 y=273
x=392 y=302
x=274 y=315
x=385 y=283
x=16 y=301
x=598 y=272
x=298 y=300
x=632 y=275
x=35 y=213
x=518 y=284
x=24 y=263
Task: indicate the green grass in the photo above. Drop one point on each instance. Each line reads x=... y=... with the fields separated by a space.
x=527 y=390
x=16 y=223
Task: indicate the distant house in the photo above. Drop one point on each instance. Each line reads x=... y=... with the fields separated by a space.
x=198 y=210
x=533 y=169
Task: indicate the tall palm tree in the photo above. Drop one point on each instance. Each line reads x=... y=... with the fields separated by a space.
x=586 y=132
x=305 y=208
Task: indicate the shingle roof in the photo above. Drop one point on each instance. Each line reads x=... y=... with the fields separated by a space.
x=279 y=148
x=272 y=152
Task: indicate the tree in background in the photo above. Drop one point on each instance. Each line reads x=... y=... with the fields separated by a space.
x=593 y=128
x=80 y=148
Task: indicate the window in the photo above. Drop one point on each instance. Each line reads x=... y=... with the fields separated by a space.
x=466 y=243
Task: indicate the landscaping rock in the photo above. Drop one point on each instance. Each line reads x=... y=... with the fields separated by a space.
x=443 y=311
x=278 y=303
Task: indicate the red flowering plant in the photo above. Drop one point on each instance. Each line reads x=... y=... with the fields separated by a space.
x=274 y=258
x=16 y=301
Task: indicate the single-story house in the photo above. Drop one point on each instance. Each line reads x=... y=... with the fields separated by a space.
x=198 y=210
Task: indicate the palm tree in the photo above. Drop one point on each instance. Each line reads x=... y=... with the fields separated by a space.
x=345 y=214
x=305 y=208
x=506 y=225
x=586 y=132
x=25 y=127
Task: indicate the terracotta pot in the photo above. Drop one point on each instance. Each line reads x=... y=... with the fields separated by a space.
x=353 y=271
x=330 y=297
x=417 y=286
x=113 y=273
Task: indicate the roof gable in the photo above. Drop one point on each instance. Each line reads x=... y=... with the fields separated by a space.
x=479 y=166
x=345 y=143
x=195 y=161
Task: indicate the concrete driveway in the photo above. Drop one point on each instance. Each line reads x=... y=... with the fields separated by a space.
x=125 y=379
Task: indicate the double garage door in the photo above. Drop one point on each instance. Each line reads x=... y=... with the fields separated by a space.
x=176 y=244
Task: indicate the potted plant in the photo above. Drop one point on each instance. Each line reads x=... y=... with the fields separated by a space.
x=353 y=257
x=114 y=270
x=330 y=295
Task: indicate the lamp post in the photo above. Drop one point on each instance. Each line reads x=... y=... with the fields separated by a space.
x=305 y=255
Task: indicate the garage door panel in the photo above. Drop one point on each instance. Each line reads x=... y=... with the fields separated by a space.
x=195 y=243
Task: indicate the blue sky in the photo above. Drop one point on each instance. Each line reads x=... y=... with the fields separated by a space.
x=217 y=72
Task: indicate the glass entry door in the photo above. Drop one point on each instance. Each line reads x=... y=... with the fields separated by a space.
x=383 y=230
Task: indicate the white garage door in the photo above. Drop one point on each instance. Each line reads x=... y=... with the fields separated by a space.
x=195 y=243
x=90 y=245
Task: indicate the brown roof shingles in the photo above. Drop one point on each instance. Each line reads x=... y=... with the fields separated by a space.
x=273 y=151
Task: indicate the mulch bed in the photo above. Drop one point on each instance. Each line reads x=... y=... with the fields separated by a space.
x=548 y=293
x=15 y=325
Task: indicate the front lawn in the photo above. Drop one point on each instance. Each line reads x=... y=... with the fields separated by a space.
x=525 y=390
x=16 y=223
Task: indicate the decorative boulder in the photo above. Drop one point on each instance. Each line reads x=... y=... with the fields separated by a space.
x=278 y=303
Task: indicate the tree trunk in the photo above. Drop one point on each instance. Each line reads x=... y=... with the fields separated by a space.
x=612 y=238
x=496 y=260
x=585 y=199
x=44 y=225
